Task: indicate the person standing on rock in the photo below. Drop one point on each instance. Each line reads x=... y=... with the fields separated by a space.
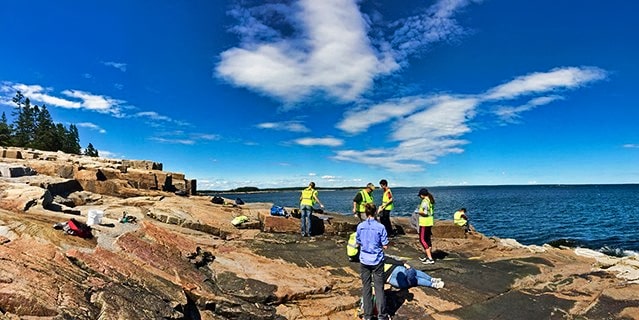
x=372 y=240
x=362 y=198
x=308 y=199
x=426 y=221
x=386 y=207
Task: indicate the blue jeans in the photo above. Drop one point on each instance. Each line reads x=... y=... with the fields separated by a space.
x=397 y=278
x=305 y=219
x=373 y=275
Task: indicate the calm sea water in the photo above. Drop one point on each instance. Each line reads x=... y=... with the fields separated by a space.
x=590 y=216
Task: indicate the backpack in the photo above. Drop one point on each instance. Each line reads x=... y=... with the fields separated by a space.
x=217 y=200
x=77 y=228
x=239 y=201
x=278 y=211
x=352 y=250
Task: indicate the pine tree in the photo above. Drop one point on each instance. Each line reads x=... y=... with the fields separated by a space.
x=5 y=131
x=25 y=124
x=91 y=151
x=45 y=134
x=72 y=140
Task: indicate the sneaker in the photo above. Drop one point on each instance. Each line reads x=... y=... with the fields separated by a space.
x=436 y=279
x=428 y=261
x=422 y=259
x=438 y=284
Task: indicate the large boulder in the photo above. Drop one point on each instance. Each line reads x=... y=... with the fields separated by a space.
x=13 y=171
x=21 y=197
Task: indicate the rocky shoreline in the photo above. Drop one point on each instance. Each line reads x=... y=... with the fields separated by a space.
x=183 y=259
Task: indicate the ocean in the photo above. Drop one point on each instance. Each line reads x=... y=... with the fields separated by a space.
x=599 y=217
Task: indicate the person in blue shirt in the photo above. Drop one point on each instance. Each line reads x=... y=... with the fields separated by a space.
x=372 y=239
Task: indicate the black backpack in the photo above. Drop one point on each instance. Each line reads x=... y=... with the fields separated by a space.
x=217 y=200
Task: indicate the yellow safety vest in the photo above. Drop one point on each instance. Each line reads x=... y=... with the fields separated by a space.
x=457 y=219
x=428 y=220
x=386 y=198
x=308 y=197
x=351 y=247
x=366 y=198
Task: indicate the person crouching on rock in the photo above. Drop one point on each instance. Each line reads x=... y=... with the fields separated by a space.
x=461 y=220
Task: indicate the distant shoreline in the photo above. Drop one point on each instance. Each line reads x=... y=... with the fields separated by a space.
x=266 y=190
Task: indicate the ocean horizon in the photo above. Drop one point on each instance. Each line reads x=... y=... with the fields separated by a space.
x=602 y=217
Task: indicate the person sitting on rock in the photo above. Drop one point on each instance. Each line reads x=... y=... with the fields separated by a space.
x=460 y=219
x=401 y=275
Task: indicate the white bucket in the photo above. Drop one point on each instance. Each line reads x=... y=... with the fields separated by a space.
x=94 y=217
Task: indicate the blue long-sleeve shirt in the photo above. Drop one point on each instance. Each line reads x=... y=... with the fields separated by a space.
x=371 y=237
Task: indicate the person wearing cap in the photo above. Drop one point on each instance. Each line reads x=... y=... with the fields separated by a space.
x=426 y=221
x=362 y=198
x=372 y=240
x=385 y=208
x=308 y=199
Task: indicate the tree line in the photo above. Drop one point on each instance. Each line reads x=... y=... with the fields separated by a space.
x=33 y=127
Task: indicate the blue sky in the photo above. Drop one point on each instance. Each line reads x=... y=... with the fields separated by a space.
x=340 y=92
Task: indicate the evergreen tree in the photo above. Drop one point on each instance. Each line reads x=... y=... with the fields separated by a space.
x=72 y=140
x=45 y=134
x=91 y=151
x=60 y=138
x=5 y=131
x=23 y=132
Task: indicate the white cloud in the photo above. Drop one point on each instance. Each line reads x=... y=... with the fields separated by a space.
x=358 y=121
x=152 y=115
x=91 y=126
x=538 y=82
x=426 y=128
x=631 y=146
x=108 y=154
x=437 y=24
x=173 y=141
x=99 y=103
x=327 y=141
x=292 y=126
x=512 y=114
x=294 y=51
x=118 y=65
x=330 y=52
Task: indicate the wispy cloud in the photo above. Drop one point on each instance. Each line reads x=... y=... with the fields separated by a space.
x=184 y=138
x=327 y=141
x=78 y=99
x=631 y=145
x=426 y=128
x=414 y=34
x=512 y=114
x=538 y=82
x=152 y=115
x=91 y=126
x=118 y=65
x=99 y=103
x=292 y=126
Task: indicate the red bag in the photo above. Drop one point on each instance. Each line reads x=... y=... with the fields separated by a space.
x=77 y=228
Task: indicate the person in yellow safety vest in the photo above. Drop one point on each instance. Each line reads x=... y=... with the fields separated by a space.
x=385 y=208
x=308 y=199
x=352 y=248
x=362 y=198
x=460 y=219
x=426 y=221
